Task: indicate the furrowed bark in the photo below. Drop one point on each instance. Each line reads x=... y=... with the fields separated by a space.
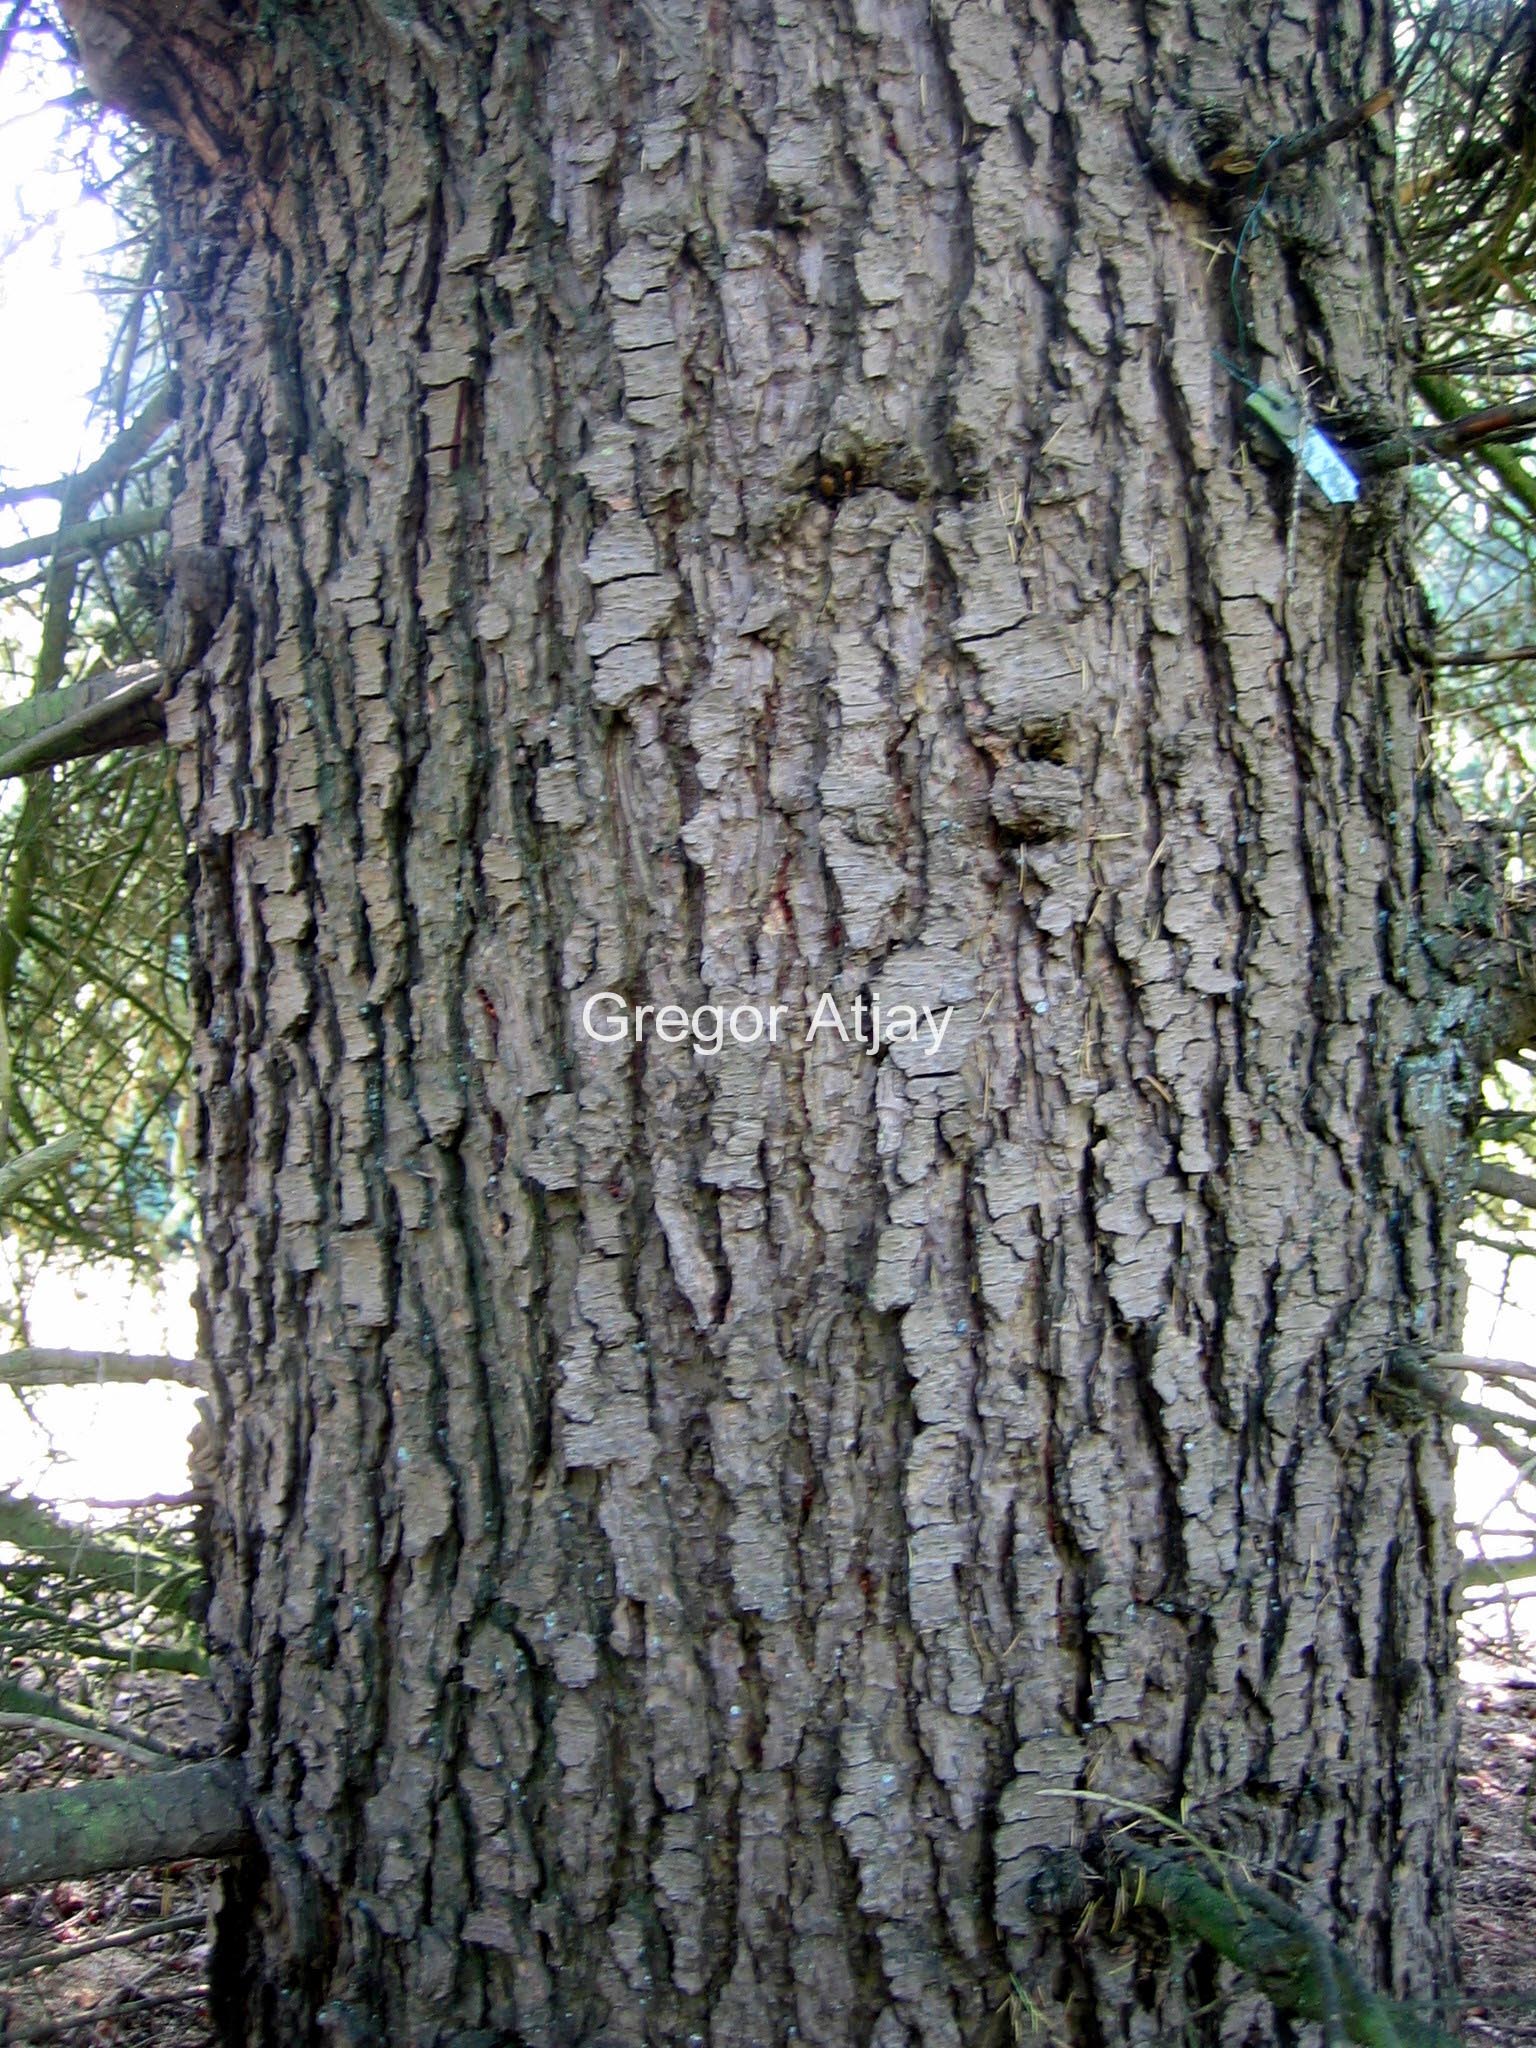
x=121 y=1824
x=730 y=505
x=37 y=1367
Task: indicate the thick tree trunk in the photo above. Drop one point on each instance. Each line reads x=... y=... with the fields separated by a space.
x=729 y=504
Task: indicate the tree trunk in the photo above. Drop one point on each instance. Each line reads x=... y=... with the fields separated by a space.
x=729 y=505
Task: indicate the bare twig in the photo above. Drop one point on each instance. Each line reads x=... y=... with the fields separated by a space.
x=72 y=1951
x=100 y=2015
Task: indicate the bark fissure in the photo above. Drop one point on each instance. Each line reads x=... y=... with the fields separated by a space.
x=732 y=506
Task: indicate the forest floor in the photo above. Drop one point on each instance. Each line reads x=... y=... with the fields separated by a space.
x=1496 y=1889
x=56 y=1987
x=58 y=1984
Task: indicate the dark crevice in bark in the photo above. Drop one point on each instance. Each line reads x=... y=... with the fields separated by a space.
x=936 y=1571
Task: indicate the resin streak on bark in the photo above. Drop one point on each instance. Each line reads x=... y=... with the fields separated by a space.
x=732 y=503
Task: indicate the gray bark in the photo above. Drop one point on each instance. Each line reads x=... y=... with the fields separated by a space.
x=728 y=504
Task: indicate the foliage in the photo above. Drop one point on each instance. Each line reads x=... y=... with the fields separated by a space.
x=1467 y=201
x=93 y=1032
x=1466 y=190
x=93 y=997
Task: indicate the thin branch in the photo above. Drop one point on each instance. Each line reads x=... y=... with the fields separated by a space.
x=1456 y=437
x=94 y=1738
x=134 y=1503
x=1295 y=149
x=115 y=461
x=31 y=1707
x=105 y=2015
x=1497 y=1571
x=1487 y=1425
x=84 y=538
x=1484 y=1368
x=30 y=1166
x=1487 y=657
x=93 y=1557
x=1447 y=403
x=1504 y=1185
x=72 y=1951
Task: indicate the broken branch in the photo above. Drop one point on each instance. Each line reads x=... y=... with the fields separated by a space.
x=105 y=712
x=122 y=1823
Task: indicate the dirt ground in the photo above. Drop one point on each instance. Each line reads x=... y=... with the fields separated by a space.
x=58 y=1984
x=1496 y=1892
